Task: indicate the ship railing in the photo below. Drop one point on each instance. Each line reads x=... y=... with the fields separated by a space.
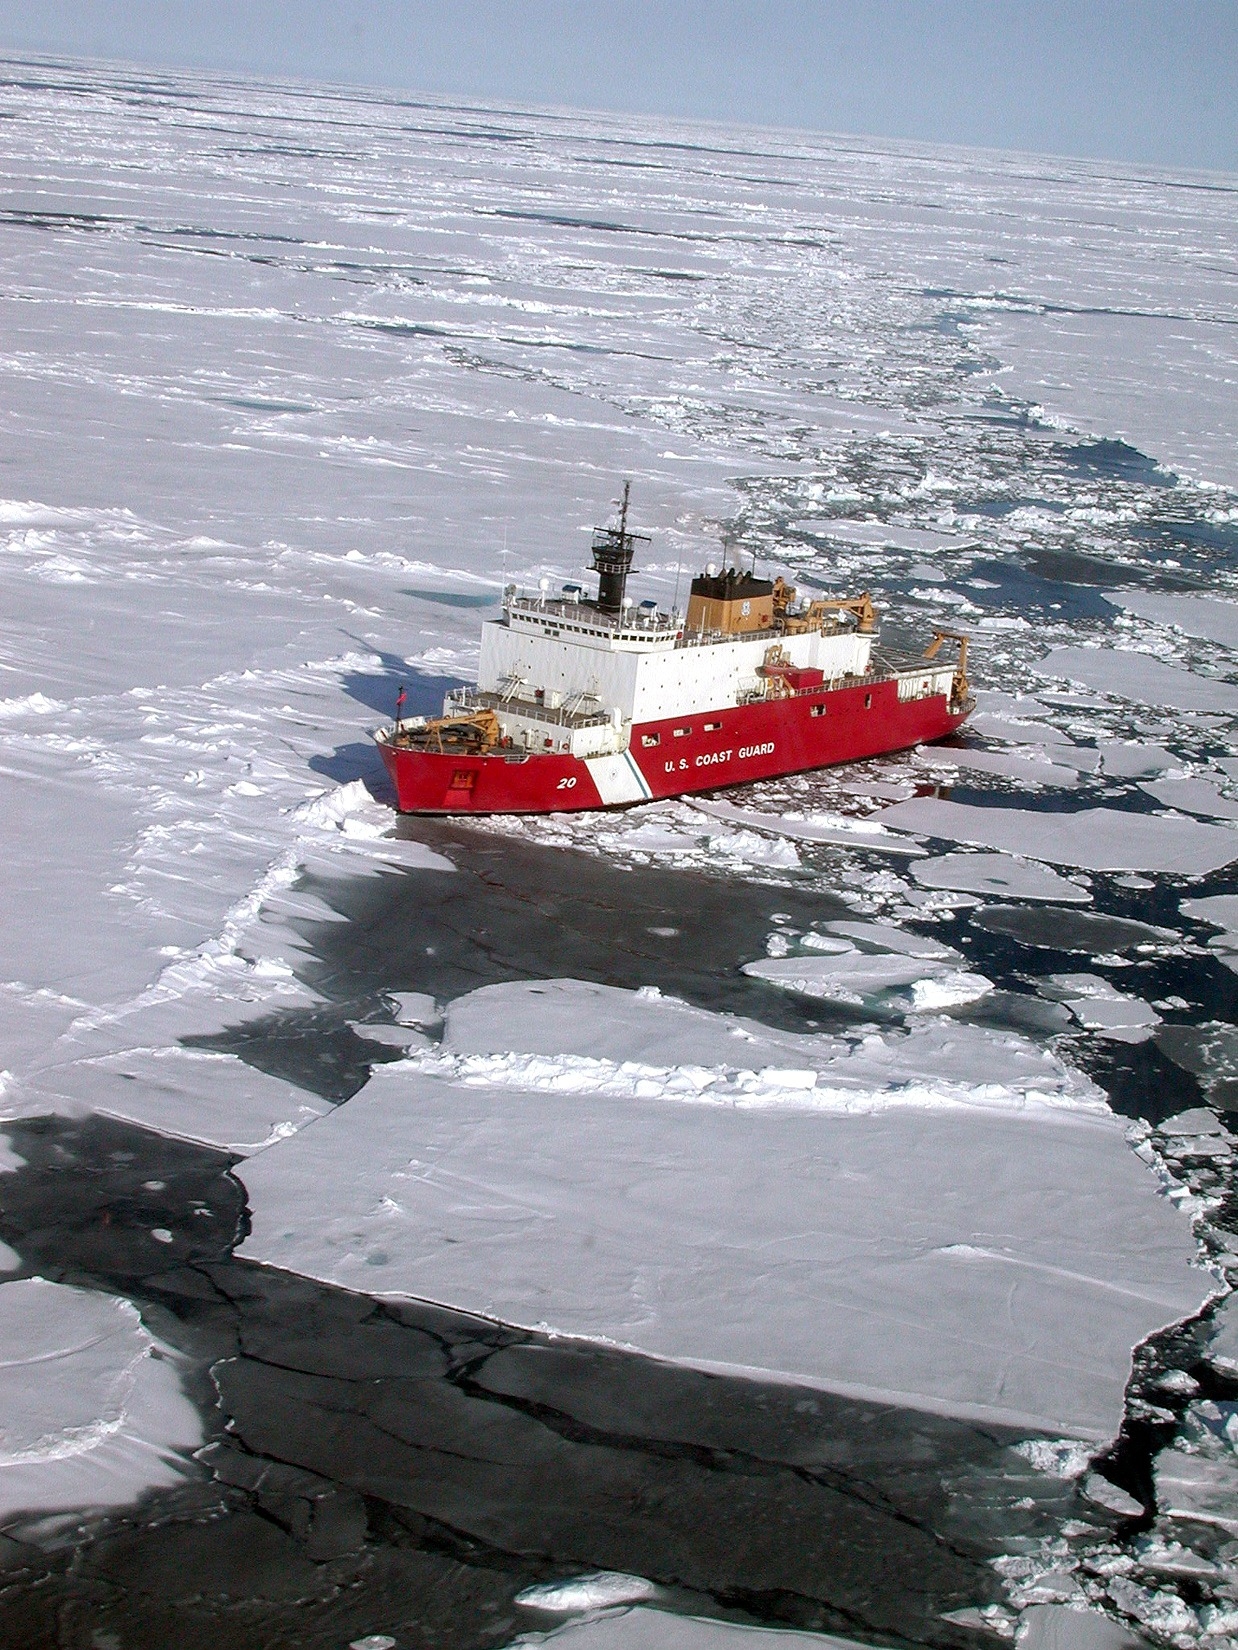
x=831 y=684
x=635 y=622
x=568 y=715
x=711 y=638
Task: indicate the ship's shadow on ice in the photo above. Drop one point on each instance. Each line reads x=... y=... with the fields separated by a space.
x=378 y=690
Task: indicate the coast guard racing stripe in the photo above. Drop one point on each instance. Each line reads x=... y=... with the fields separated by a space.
x=618 y=779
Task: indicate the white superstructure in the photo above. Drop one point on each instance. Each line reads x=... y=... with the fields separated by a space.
x=565 y=658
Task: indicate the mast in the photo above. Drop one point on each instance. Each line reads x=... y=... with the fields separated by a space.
x=613 y=549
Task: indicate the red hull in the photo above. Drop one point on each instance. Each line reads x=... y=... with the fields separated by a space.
x=701 y=752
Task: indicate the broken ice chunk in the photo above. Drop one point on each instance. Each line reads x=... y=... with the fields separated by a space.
x=87 y=1416
x=860 y=977
x=600 y=1590
x=1222 y=1347
x=642 y=1628
x=1207 y=616
x=1196 y=796
x=1099 y=1007
x=1198 y=1489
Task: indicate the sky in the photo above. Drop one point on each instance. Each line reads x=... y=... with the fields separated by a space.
x=1151 y=82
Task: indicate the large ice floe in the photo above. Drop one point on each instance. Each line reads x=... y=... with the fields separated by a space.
x=640 y=1628
x=946 y=1218
x=1094 y=839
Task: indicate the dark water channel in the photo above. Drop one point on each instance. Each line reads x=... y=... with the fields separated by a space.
x=405 y=1470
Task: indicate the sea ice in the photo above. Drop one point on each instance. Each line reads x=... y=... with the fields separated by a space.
x=836 y=828
x=951 y=1249
x=860 y=977
x=1061 y=1627
x=1099 y=1007
x=1140 y=677
x=641 y=1628
x=1052 y=929
x=1221 y=910
x=1006 y=874
x=1198 y=1489
x=602 y=1590
x=1029 y=769
x=91 y=1414
x=1207 y=616
x=1094 y=839
x=1196 y=796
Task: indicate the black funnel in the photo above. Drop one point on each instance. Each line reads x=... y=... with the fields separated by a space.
x=613 y=548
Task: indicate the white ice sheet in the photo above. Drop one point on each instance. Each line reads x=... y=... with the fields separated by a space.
x=1208 y=616
x=1139 y=676
x=1094 y=839
x=960 y=1257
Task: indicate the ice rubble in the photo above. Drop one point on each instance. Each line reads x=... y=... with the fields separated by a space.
x=983 y=1248
x=1093 y=839
x=91 y=1409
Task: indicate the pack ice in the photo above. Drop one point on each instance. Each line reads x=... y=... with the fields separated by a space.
x=881 y=1217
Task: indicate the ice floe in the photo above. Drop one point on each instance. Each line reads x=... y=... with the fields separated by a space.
x=1029 y=769
x=91 y=1409
x=1208 y=616
x=641 y=1628
x=1099 y=1006
x=1006 y=874
x=1196 y=796
x=1139 y=676
x=1093 y=839
x=481 y=1178
x=1053 y=929
x=602 y=1590
x=861 y=977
